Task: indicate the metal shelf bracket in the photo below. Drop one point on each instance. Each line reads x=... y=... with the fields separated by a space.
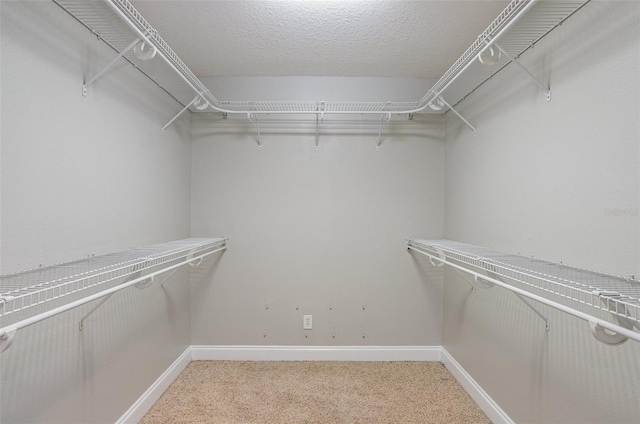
x=533 y=308
x=464 y=277
x=486 y=284
x=142 y=49
x=184 y=109
x=382 y=120
x=319 y=116
x=458 y=114
x=254 y=117
x=86 y=84
x=515 y=60
x=141 y=285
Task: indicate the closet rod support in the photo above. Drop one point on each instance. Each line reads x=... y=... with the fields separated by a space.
x=86 y=84
x=458 y=115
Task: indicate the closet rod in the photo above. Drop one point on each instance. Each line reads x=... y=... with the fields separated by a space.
x=7 y=333
x=578 y=314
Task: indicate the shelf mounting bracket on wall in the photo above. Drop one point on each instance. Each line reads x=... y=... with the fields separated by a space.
x=458 y=114
x=536 y=311
x=199 y=102
x=320 y=116
x=486 y=284
x=141 y=285
x=464 y=277
x=515 y=60
x=254 y=117
x=382 y=120
x=86 y=84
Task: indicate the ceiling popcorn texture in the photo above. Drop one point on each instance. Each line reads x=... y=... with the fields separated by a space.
x=351 y=38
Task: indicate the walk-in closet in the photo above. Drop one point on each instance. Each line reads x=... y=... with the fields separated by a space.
x=433 y=206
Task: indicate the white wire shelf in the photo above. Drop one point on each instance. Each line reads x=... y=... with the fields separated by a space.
x=82 y=281
x=517 y=28
x=26 y=289
x=554 y=282
x=542 y=17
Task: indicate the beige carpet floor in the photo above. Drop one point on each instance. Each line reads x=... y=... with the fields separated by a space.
x=315 y=392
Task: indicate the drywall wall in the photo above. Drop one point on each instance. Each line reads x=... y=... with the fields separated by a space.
x=86 y=176
x=559 y=181
x=319 y=232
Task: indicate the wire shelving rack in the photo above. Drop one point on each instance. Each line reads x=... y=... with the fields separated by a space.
x=549 y=283
x=516 y=29
x=48 y=291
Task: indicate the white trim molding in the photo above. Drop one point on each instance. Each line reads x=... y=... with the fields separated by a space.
x=315 y=353
x=140 y=407
x=477 y=393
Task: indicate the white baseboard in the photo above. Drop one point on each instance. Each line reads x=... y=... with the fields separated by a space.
x=153 y=393
x=316 y=353
x=477 y=393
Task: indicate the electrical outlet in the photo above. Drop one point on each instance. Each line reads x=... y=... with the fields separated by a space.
x=307 y=322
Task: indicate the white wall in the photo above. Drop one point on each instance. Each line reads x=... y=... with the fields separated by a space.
x=318 y=232
x=559 y=181
x=86 y=176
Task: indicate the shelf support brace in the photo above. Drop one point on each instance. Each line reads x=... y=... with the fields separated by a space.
x=92 y=310
x=388 y=118
x=255 y=117
x=473 y=286
x=533 y=77
x=142 y=285
x=546 y=89
x=487 y=284
x=109 y=65
x=167 y=277
x=537 y=312
x=458 y=115
x=319 y=116
x=181 y=112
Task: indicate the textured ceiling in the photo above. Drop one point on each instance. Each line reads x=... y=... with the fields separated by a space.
x=366 y=38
